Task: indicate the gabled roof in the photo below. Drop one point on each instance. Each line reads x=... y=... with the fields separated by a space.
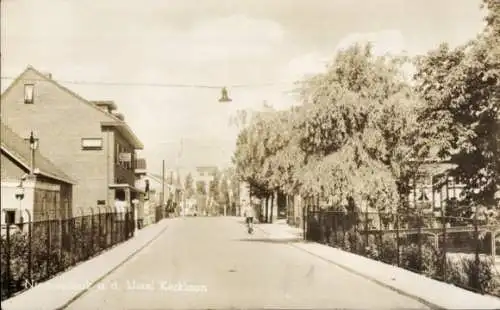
x=126 y=132
x=19 y=149
x=112 y=120
x=45 y=78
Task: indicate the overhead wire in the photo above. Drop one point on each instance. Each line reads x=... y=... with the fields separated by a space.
x=164 y=85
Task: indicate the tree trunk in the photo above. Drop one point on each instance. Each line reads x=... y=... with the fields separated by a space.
x=272 y=208
x=267 y=210
x=287 y=209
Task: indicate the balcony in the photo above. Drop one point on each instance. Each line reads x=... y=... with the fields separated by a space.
x=124 y=174
x=140 y=167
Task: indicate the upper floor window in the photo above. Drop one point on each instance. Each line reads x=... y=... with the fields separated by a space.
x=123 y=157
x=10 y=217
x=29 y=93
x=117 y=153
x=91 y=144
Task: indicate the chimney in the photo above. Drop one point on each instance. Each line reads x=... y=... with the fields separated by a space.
x=48 y=74
x=106 y=105
x=119 y=116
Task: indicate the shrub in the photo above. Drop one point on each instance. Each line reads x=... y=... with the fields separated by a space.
x=389 y=250
x=479 y=277
x=371 y=250
x=426 y=264
x=462 y=272
x=455 y=273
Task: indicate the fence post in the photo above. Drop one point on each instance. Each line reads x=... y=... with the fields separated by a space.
x=8 y=271
x=117 y=224
x=113 y=213
x=419 y=236
x=343 y=231
x=355 y=221
x=124 y=232
x=49 y=250
x=83 y=228
x=304 y=232
x=60 y=227
x=335 y=227
x=70 y=223
x=80 y=235
x=476 y=282
x=381 y=230
x=493 y=245
x=30 y=250
x=444 y=259
x=99 y=218
x=91 y=252
x=367 y=235
x=108 y=229
x=321 y=226
x=398 y=254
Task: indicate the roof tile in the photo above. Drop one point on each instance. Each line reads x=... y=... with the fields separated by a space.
x=20 y=149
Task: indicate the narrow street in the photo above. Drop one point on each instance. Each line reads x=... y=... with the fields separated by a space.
x=211 y=263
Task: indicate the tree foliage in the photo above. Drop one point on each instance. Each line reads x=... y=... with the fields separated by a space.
x=189 y=186
x=461 y=88
x=358 y=129
x=363 y=130
x=214 y=186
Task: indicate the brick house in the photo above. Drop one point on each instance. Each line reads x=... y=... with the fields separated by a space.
x=88 y=140
x=47 y=191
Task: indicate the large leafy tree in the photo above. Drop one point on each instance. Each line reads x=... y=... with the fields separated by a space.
x=223 y=188
x=214 y=186
x=283 y=154
x=251 y=153
x=357 y=129
x=461 y=89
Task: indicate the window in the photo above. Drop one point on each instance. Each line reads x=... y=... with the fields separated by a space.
x=29 y=93
x=10 y=217
x=117 y=151
x=92 y=144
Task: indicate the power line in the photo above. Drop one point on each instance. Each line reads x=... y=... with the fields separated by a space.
x=164 y=85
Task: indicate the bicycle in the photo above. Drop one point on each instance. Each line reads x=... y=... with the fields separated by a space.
x=249 y=221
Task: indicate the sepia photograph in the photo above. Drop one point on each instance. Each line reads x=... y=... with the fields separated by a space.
x=250 y=154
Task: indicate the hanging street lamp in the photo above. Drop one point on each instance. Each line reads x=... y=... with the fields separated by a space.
x=224 y=96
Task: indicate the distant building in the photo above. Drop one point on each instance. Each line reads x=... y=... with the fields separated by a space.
x=206 y=171
x=88 y=140
x=205 y=174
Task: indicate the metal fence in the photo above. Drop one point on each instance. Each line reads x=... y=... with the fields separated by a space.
x=455 y=250
x=35 y=251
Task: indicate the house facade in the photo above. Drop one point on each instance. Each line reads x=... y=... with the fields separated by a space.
x=88 y=140
x=32 y=187
x=434 y=187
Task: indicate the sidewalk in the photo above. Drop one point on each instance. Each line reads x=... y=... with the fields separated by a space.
x=59 y=291
x=435 y=293
x=281 y=231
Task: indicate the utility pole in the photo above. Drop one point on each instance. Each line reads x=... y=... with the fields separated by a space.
x=163 y=183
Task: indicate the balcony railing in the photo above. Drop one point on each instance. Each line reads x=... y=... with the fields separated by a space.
x=140 y=166
x=140 y=163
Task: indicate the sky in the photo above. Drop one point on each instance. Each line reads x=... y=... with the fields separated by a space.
x=261 y=45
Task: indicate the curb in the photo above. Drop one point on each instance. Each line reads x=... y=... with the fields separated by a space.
x=364 y=276
x=135 y=252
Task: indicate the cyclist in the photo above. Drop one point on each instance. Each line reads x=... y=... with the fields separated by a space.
x=249 y=214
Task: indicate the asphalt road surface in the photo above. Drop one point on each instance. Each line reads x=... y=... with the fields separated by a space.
x=212 y=263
